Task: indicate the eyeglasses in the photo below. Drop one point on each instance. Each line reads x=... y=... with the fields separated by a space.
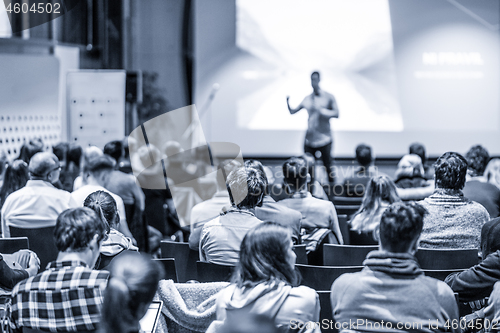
x=56 y=168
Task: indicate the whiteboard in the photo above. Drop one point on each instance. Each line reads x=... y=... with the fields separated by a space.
x=96 y=106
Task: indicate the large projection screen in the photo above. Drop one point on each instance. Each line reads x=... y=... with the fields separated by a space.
x=401 y=71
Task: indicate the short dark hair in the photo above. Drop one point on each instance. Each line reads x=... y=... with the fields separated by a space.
x=401 y=223
x=99 y=164
x=246 y=186
x=316 y=73
x=74 y=154
x=75 y=229
x=295 y=172
x=114 y=149
x=364 y=154
x=418 y=149
x=263 y=258
x=257 y=165
x=477 y=159
x=61 y=150
x=450 y=171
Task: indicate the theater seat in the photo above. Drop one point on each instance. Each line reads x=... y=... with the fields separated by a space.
x=322 y=277
x=346 y=255
x=41 y=241
x=208 y=272
x=447 y=258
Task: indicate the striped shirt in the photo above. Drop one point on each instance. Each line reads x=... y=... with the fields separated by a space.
x=65 y=297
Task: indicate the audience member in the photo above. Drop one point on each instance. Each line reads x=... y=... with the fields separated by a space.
x=492 y=172
x=380 y=193
x=314 y=186
x=68 y=295
x=273 y=211
x=316 y=213
x=125 y=186
x=151 y=179
x=410 y=172
x=103 y=204
x=38 y=204
x=419 y=149
x=222 y=236
x=132 y=284
x=209 y=209
x=61 y=151
x=28 y=150
x=453 y=220
x=477 y=282
x=16 y=177
x=391 y=290
x=265 y=282
x=3 y=164
x=88 y=154
x=477 y=188
x=16 y=267
x=96 y=175
x=355 y=185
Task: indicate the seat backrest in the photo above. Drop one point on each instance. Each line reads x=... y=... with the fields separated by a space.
x=361 y=239
x=346 y=255
x=447 y=258
x=41 y=241
x=344 y=228
x=300 y=252
x=347 y=201
x=169 y=268
x=322 y=277
x=326 y=312
x=440 y=274
x=13 y=244
x=185 y=259
x=348 y=210
x=208 y=272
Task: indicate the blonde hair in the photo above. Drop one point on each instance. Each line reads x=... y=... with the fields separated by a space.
x=492 y=172
x=410 y=166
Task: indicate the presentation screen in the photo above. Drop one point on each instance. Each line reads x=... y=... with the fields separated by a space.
x=400 y=71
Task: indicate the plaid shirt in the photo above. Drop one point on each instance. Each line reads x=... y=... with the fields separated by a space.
x=65 y=297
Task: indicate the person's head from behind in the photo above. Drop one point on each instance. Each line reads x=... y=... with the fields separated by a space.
x=16 y=176
x=80 y=230
x=99 y=169
x=295 y=174
x=28 y=150
x=61 y=151
x=410 y=166
x=132 y=284
x=103 y=204
x=45 y=166
x=418 y=149
x=257 y=165
x=477 y=159
x=246 y=187
x=364 y=155
x=74 y=154
x=400 y=227
x=266 y=255
x=380 y=189
x=492 y=172
x=89 y=153
x=114 y=149
x=450 y=171
x=315 y=78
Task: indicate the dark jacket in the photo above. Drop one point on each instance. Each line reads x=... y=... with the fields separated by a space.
x=476 y=282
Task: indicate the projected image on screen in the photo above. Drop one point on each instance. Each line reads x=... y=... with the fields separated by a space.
x=288 y=39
